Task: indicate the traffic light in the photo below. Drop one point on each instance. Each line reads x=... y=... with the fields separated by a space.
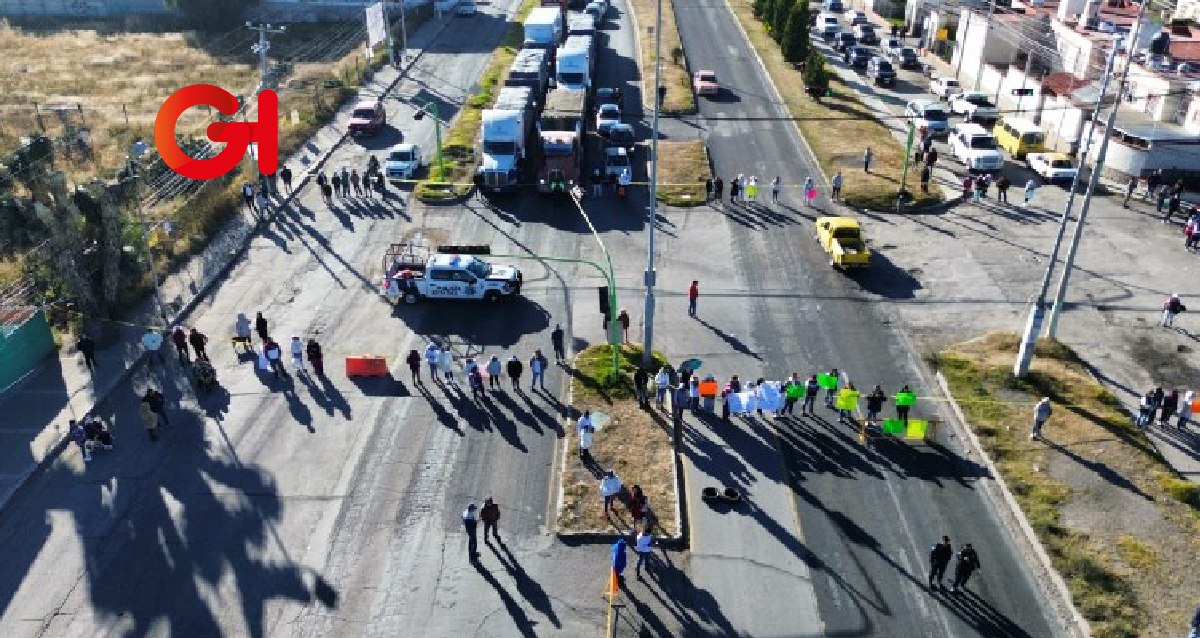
x=604 y=300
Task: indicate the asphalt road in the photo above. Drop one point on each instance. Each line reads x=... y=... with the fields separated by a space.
x=867 y=517
x=305 y=506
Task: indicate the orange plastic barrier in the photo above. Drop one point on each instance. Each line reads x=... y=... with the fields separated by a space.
x=366 y=365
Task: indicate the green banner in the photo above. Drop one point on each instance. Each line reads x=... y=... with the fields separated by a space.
x=847 y=399
x=795 y=391
x=894 y=427
x=827 y=381
x=906 y=399
x=917 y=429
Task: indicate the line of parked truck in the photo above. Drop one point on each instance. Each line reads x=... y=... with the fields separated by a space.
x=535 y=130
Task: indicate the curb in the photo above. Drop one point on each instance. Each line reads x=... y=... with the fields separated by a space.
x=235 y=255
x=1077 y=624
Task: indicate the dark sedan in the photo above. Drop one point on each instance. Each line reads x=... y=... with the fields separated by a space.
x=843 y=41
x=858 y=56
x=907 y=58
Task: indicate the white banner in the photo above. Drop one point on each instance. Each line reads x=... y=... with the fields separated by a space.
x=376 y=27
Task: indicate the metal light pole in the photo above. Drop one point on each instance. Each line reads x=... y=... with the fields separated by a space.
x=1061 y=292
x=1033 y=323
x=431 y=108
x=614 y=336
x=261 y=49
x=387 y=26
x=651 y=273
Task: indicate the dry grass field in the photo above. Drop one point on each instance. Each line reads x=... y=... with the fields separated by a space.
x=680 y=98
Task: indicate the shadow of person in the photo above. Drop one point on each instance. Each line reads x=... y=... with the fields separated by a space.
x=518 y=615
x=529 y=588
x=335 y=397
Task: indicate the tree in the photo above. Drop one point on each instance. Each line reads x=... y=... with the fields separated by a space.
x=760 y=7
x=816 y=75
x=779 y=19
x=768 y=12
x=795 y=44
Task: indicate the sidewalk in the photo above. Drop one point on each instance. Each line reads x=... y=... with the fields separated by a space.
x=38 y=408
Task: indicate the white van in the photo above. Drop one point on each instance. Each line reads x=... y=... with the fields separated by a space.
x=976 y=148
x=828 y=24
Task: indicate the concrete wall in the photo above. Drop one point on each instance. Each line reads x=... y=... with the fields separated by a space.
x=975 y=45
x=1121 y=161
x=81 y=8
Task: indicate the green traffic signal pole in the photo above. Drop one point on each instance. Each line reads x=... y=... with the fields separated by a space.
x=431 y=108
x=612 y=295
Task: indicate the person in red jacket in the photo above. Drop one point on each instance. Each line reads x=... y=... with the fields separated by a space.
x=693 y=295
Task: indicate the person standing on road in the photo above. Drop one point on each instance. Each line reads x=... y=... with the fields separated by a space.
x=494 y=370
x=490 y=515
x=679 y=403
x=1173 y=204
x=718 y=189
x=157 y=403
x=446 y=363
x=260 y=326
x=752 y=190
x=1002 y=185
x=475 y=380
x=641 y=379
x=931 y=158
x=199 y=341
x=248 y=196
x=789 y=400
x=708 y=190
x=810 y=191
x=1195 y=632
x=470 y=521
x=149 y=420
x=1030 y=187
x=557 y=339
x=1145 y=409
x=968 y=563
x=693 y=296
x=1171 y=307
x=623 y=319
x=811 y=389
x=1169 y=405
x=597 y=184
x=831 y=393
x=263 y=204
x=79 y=437
x=836 y=183
x=741 y=182
x=337 y=184
x=179 y=338
x=431 y=358
x=642 y=547
x=619 y=560
x=285 y=174
x=925 y=175
x=537 y=368
x=875 y=402
x=1185 y=410
x=939 y=558
x=315 y=358
x=345 y=182
x=1130 y=186
x=1152 y=182
x=354 y=182
x=515 y=368
x=733 y=190
x=152 y=341
x=297 y=349
x=87 y=347
x=274 y=357
x=327 y=194
x=775 y=188
x=414 y=365
x=1040 y=414
x=902 y=410
x=867 y=157
x=662 y=382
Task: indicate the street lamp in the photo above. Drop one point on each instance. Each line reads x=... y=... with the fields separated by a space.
x=431 y=108
x=613 y=334
x=649 y=276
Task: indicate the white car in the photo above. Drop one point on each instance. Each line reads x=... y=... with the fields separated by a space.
x=976 y=148
x=856 y=17
x=1052 y=167
x=606 y=116
x=944 y=87
x=616 y=161
x=974 y=106
x=930 y=115
x=402 y=161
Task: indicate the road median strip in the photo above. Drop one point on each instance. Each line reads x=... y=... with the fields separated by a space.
x=679 y=99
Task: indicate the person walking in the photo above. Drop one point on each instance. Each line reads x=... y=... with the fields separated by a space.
x=597 y=184
x=345 y=182
x=610 y=488
x=931 y=157
x=179 y=338
x=811 y=389
x=285 y=174
x=336 y=180
x=836 y=187
x=623 y=319
x=87 y=347
x=431 y=359
x=354 y=182
x=199 y=342
x=1171 y=307
x=381 y=184
x=470 y=519
x=718 y=189
x=79 y=437
x=1185 y=410
x=776 y=186
x=158 y=404
x=327 y=194
x=939 y=558
x=968 y=186
x=968 y=563
x=475 y=380
x=264 y=205
x=662 y=382
x=642 y=547
x=585 y=443
x=679 y=402
x=1030 y=188
x=297 y=350
x=1169 y=405
x=902 y=410
x=810 y=191
x=558 y=340
x=315 y=357
x=494 y=370
x=867 y=157
x=260 y=326
x=248 y=196
x=490 y=515
x=1146 y=409
x=515 y=368
x=537 y=368
x=1173 y=204
x=1003 y=183
x=693 y=296
x=875 y=401
x=446 y=364
x=274 y=356
x=414 y=365
x=741 y=182
x=733 y=190
x=149 y=420
x=152 y=341
x=1041 y=413
x=1130 y=186
x=1152 y=182
x=641 y=379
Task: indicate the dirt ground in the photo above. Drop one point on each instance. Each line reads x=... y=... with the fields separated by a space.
x=1094 y=489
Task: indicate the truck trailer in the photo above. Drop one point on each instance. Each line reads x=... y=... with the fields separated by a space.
x=504 y=132
x=560 y=133
x=531 y=68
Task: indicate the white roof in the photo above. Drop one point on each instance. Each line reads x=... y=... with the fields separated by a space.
x=455 y=261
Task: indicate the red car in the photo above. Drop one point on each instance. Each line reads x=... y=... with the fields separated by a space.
x=368 y=117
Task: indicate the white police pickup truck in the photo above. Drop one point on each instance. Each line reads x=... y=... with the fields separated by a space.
x=413 y=272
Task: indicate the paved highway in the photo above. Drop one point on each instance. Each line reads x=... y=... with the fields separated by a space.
x=867 y=517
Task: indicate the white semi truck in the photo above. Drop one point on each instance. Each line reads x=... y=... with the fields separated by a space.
x=505 y=133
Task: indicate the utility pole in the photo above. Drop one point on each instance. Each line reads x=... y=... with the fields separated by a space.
x=403 y=35
x=387 y=26
x=261 y=49
x=1061 y=293
x=987 y=26
x=651 y=273
x=1033 y=324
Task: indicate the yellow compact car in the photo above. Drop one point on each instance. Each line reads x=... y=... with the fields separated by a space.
x=842 y=239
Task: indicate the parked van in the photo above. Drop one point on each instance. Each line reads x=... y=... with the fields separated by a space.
x=828 y=25
x=1019 y=136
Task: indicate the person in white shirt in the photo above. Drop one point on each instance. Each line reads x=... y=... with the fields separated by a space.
x=585 y=442
x=297 y=353
x=431 y=357
x=642 y=548
x=610 y=487
x=662 y=381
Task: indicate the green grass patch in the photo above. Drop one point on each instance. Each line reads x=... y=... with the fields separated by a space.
x=683 y=169
x=596 y=378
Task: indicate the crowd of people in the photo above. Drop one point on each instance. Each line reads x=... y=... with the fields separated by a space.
x=348 y=183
